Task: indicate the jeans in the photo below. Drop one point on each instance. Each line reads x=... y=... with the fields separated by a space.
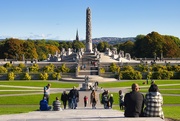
x=74 y=103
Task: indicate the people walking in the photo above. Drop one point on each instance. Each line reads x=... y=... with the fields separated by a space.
x=93 y=99
x=134 y=102
x=74 y=96
x=64 y=99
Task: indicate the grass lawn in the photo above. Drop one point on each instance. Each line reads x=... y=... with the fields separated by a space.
x=13 y=109
x=23 y=104
x=173 y=91
x=139 y=82
x=18 y=92
x=17 y=88
x=26 y=100
x=54 y=84
x=172 y=112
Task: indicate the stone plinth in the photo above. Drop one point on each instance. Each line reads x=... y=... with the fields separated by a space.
x=86 y=86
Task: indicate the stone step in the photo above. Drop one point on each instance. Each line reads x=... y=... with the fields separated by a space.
x=79 y=114
x=92 y=78
x=88 y=72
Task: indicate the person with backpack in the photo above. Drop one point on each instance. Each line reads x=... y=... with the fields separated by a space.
x=105 y=99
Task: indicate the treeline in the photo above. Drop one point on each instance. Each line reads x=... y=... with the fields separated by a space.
x=34 y=49
x=149 y=46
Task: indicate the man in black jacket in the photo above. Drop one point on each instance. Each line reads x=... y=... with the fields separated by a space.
x=74 y=95
x=134 y=102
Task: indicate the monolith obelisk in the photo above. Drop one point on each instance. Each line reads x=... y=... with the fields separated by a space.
x=88 y=31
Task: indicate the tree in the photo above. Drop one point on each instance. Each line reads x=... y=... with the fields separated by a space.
x=64 y=45
x=52 y=49
x=154 y=43
x=77 y=45
x=127 y=47
x=44 y=76
x=42 y=52
x=170 y=48
x=11 y=76
x=102 y=46
x=29 y=50
x=113 y=67
x=52 y=42
x=13 y=48
x=3 y=69
x=27 y=76
x=64 y=69
x=34 y=68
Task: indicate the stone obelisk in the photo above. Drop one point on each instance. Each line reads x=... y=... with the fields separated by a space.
x=88 y=31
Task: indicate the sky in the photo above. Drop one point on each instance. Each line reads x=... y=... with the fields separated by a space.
x=60 y=19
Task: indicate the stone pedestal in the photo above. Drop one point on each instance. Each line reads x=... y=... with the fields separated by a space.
x=86 y=86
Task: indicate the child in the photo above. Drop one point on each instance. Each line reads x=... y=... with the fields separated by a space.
x=111 y=100
x=121 y=100
x=85 y=101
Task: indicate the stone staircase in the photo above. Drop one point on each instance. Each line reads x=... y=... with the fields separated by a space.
x=88 y=64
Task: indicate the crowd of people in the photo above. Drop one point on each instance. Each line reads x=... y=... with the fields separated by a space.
x=134 y=103
x=72 y=98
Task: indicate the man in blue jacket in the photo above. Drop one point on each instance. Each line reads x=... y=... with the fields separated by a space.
x=44 y=105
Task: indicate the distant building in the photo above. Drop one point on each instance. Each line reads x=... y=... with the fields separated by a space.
x=77 y=36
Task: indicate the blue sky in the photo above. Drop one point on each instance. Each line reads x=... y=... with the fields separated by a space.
x=59 y=19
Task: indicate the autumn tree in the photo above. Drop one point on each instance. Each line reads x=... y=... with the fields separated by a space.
x=29 y=50
x=13 y=49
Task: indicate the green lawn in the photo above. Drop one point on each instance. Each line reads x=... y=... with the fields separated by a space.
x=56 y=84
x=139 y=82
x=17 y=88
x=26 y=100
x=172 y=112
x=18 y=92
x=17 y=109
x=164 y=91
